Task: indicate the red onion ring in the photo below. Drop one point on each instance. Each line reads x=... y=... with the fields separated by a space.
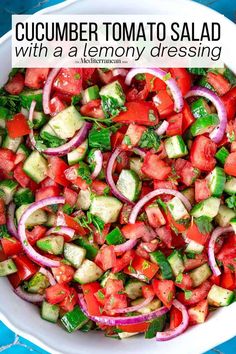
x=121 y=72
x=172 y=333
x=110 y=180
x=217 y=134
x=11 y=227
x=47 y=90
x=98 y=157
x=31 y=115
x=211 y=248
x=139 y=152
x=116 y=321
x=126 y=246
x=136 y=307
x=61 y=230
x=49 y=275
x=153 y=194
x=29 y=250
x=161 y=74
x=34 y=298
x=162 y=128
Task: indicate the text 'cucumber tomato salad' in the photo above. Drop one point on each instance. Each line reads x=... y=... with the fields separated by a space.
x=118 y=196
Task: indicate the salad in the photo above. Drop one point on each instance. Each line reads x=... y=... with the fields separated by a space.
x=118 y=196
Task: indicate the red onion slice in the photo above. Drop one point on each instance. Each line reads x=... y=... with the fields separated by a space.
x=34 y=298
x=49 y=275
x=172 y=333
x=217 y=134
x=110 y=180
x=153 y=194
x=61 y=230
x=211 y=248
x=139 y=152
x=116 y=321
x=161 y=74
x=47 y=90
x=11 y=227
x=121 y=72
x=136 y=307
x=162 y=128
x=31 y=116
x=98 y=158
x=128 y=245
x=29 y=250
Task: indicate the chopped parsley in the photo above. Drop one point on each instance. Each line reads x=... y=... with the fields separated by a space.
x=204 y=224
x=76 y=99
x=231 y=202
x=188 y=294
x=127 y=140
x=67 y=209
x=197 y=71
x=84 y=172
x=150 y=139
x=111 y=106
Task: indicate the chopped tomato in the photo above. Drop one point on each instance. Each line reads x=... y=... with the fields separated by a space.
x=155 y=168
x=106 y=258
x=165 y=235
x=196 y=295
x=35 y=234
x=133 y=135
x=122 y=162
x=198 y=313
x=138 y=112
x=133 y=328
x=116 y=301
x=135 y=94
x=202 y=153
x=99 y=187
x=155 y=216
x=15 y=85
x=215 y=279
x=35 y=77
x=100 y=236
x=69 y=81
x=25 y=270
x=70 y=196
x=56 y=105
x=21 y=176
x=147 y=291
x=164 y=290
x=218 y=82
x=202 y=190
x=7 y=160
x=92 y=109
x=175 y=317
x=2 y=212
x=188 y=117
x=186 y=171
x=193 y=233
x=70 y=301
x=164 y=184
x=141 y=269
x=228 y=280
x=11 y=246
x=101 y=296
x=184 y=282
x=125 y=213
x=48 y=182
x=163 y=103
x=228 y=248
x=230 y=164
x=192 y=263
x=64 y=273
x=177 y=226
x=116 y=139
x=47 y=192
x=183 y=78
x=70 y=222
x=89 y=291
x=87 y=73
x=124 y=261
x=138 y=230
x=175 y=125
x=56 y=170
x=57 y=293
x=229 y=100
x=154 y=83
x=113 y=286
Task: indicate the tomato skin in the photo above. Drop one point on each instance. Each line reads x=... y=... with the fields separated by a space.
x=89 y=291
x=116 y=139
x=154 y=83
x=164 y=290
x=155 y=216
x=163 y=103
x=194 y=234
x=7 y=160
x=229 y=100
x=175 y=125
x=183 y=79
x=56 y=170
x=202 y=190
x=199 y=259
x=57 y=293
x=70 y=301
x=56 y=105
x=141 y=269
x=133 y=328
x=124 y=261
x=70 y=196
x=47 y=192
x=175 y=317
x=137 y=95
x=35 y=234
x=92 y=109
x=147 y=291
x=99 y=187
x=25 y=270
x=21 y=176
x=165 y=235
x=218 y=82
x=100 y=237
x=230 y=164
x=198 y=294
x=125 y=213
x=198 y=313
x=70 y=222
x=11 y=246
x=137 y=230
x=228 y=280
x=186 y=282
x=35 y=77
x=116 y=301
x=188 y=117
x=15 y=85
x=106 y=258
x=186 y=171
x=143 y=113
x=155 y=168
x=64 y=273
x=68 y=81
x=202 y=153
x=113 y=286
x=2 y=212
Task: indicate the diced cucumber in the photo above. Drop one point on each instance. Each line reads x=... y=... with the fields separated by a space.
x=11 y=144
x=216 y=181
x=129 y=184
x=91 y=249
x=51 y=244
x=36 y=167
x=204 y=124
x=200 y=108
x=27 y=96
x=91 y=93
x=74 y=320
x=230 y=186
x=224 y=216
x=8 y=188
x=177 y=209
x=48 y=130
x=208 y=207
x=152 y=306
x=39 y=119
x=66 y=122
x=74 y=254
x=176 y=262
x=7 y=267
x=165 y=268
x=87 y=272
x=38 y=283
x=51 y=220
x=136 y=165
x=100 y=138
x=23 y=150
x=106 y=276
x=38 y=217
x=124 y=335
x=222 y=155
x=219 y=296
x=114 y=90
x=200 y=274
x=115 y=237
x=106 y=208
x=194 y=247
x=175 y=147
x=204 y=83
x=133 y=288
x=84 y=199
x=78 y=154
x=4 y=114
x=233 y=224
x=50 y=312
x=23 y=196
x=88 y=326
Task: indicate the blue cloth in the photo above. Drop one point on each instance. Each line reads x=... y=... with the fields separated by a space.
x=10 y=343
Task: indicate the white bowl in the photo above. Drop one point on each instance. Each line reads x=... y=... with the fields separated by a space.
x=24 y=318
